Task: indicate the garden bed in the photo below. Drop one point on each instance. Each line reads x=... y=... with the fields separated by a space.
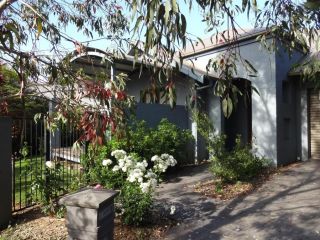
x=32 y=224
x=225 y=191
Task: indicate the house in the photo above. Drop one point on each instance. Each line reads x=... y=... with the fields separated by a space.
x=283 y=121
x=97 y=63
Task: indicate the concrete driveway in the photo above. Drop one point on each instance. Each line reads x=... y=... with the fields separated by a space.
x=286 y=207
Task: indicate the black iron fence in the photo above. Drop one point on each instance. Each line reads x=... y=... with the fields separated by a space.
x=33 y=146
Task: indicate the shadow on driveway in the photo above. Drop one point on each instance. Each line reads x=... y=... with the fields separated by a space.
x=286 y=207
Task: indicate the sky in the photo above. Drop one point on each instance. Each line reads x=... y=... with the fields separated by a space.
x=194 y=26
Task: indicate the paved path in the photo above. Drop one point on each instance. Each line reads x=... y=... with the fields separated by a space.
x=286 y=207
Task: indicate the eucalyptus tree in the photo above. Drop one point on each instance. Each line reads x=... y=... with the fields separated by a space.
x=156 y=29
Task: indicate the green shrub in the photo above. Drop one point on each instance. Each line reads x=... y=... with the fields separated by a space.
x=135 y=204
x=50 y=186
x=146 y=142
x=95 y=172
x=240 y=164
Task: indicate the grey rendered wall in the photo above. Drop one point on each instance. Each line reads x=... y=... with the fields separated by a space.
x=136 y=84
x=264 y=110
x=287 y=121
x=153 y=113
x=5 y=171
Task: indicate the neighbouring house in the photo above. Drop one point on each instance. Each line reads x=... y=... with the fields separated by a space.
x=283 y=121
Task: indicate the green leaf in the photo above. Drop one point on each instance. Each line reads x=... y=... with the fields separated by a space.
x=134 y=9
x=183 y=25
x=255 y=90
x=227 y=106
x=10 y=40
x=39 y=26
x=254 y=3
x=174 y=6
x=244 y=4
x=136 y=27
x=167 y=12
x=250 y=66
x=161 y=12
x=201 y=41
x=150 y=14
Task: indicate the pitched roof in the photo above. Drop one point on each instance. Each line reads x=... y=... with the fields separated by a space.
x=222 y=39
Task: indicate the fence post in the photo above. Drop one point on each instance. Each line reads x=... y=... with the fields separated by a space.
x=5 y=171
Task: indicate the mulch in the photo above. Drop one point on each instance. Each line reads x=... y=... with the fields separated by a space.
x=226 y=191
x=31 y=224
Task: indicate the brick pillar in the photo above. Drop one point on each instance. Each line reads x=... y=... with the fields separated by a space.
x=5 y=171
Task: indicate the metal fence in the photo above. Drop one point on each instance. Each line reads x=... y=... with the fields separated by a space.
x=32 y=146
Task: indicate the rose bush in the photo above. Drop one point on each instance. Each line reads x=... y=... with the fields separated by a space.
x=134 y=177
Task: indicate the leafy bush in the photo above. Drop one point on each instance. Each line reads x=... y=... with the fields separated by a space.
x=95 y=172
x=146 y=142
x=50 y=186
x=240 y=164
x=135 y=204
x=135 y=178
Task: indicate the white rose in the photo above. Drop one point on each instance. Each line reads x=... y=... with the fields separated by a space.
x=115 y=168
x=145 y=187
x=154 y=158
x=49 y=164
x=152 y=183
x=106 y=162
x=145 y=163
x=118 y=154
x=131 y=178
x=121 y=163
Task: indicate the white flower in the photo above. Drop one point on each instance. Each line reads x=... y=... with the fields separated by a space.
x=49 y=164
x=140 y=165
x=121 y=163
x=172 y=210
x=137 y=172
x=115 y=168
x=131 y=178
x=144 y=187
x=106 y=162
x=145 y=163
x=153 y=183
x=172 y=161
x=155 y=158
x=129 y=162
x=150 y=174
x=165 y=155
x=118 y=154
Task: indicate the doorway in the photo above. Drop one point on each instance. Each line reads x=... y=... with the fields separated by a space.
x=240 y=121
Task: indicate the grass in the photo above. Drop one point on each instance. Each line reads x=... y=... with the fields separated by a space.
x=26 y=171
